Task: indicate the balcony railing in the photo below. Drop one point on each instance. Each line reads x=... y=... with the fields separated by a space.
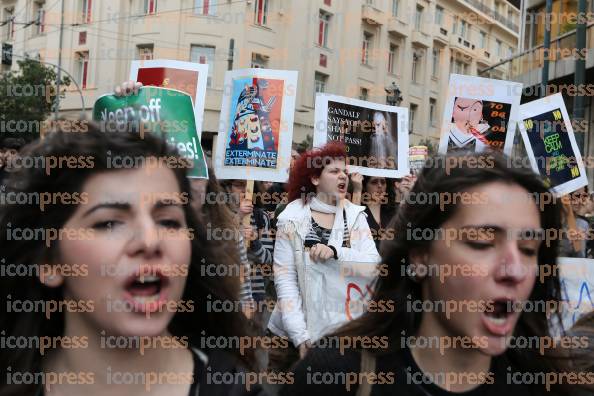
x=493 y=14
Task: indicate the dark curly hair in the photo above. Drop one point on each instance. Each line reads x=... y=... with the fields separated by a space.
x=202 y=322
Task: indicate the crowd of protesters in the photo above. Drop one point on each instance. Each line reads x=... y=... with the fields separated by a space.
x=277 y=259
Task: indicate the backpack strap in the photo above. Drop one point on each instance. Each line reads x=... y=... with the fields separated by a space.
x=367 y=366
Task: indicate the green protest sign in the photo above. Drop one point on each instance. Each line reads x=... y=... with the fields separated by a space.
x=166 y=112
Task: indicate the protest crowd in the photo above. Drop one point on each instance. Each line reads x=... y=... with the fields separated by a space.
x=332 y=282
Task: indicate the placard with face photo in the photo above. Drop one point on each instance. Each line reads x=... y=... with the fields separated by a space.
x=550 y=143
x=375 y=135
x=256 y=125
x=479 y=114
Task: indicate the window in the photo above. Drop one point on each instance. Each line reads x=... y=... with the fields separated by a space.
x=150 y=7
x=261 y=12
x=259 y=61
x=323 y=29
x=205 y=7
x=510 y=52
x=438 y=15
x=413 y=115
x=459 y=67
x=418 y=17
x=9 y=18
x=82 y=68
x=435 y=63
x=39 y=18
x=455 y=25
x=320 y=84
x=204 y=55
x=323 y=60
x=366 y=47
x=364 y=94
x=416 y=68
x=463 y=28
x=145 y=51
x=483 y=40
x=432 y=108
x=395 y=4
x=85 y=11
x=392 y=58
x=498 y=48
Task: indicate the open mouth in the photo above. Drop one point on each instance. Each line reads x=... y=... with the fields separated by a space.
x=146 y=292
x=342 y=187
x=499 y=321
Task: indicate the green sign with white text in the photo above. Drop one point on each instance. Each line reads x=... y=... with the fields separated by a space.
x=165 y=112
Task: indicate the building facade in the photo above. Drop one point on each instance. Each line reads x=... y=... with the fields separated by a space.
x=527 y=66
x=354 y=48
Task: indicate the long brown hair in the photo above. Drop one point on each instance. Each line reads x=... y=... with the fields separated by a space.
x=435 y=179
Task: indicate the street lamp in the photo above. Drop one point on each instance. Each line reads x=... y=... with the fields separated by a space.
x=393 y=97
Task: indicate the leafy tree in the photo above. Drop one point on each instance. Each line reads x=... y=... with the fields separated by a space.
x=27 y=97
x=305 y=144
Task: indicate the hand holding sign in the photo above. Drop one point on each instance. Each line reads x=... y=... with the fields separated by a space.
x=169 y=113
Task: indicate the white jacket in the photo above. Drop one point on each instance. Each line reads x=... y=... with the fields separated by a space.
x=288 y=318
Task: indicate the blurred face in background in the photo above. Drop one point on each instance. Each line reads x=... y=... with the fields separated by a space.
x=376 y=187
x=580 y=201
x=294 y=157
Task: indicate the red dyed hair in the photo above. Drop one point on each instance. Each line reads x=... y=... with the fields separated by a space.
x=311 y=164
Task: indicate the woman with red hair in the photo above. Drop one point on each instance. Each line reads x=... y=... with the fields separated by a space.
x=321 y=237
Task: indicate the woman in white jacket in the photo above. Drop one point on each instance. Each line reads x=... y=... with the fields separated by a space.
x=325 y=260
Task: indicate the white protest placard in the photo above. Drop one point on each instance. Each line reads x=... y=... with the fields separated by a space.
x=480 y=114
x=187 y=77
x=256 y=125
x=375 y=135
x=335 y=294
x=550 y=143
x=577 y=288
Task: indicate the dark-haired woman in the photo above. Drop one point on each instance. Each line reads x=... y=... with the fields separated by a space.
x=318 y=230
x=379 y=208
x=458 y=277
x=220 y=217
x=121 y=254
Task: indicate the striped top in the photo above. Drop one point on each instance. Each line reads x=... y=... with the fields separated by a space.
x=245 y=293
x=260 y=252
x=318 y=234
